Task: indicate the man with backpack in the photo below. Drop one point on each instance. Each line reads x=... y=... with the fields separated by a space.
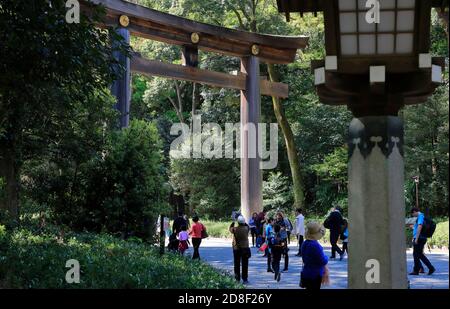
x=423 y=228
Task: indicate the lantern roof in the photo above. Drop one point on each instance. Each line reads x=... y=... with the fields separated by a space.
x=314 y=6
x=377 y=57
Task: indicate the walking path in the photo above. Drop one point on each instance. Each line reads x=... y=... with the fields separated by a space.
x=218 y=253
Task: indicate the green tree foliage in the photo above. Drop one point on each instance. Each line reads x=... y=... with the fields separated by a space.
x=120 y=189
x=277 y=193
x=331 y=187
x=52 y=74
x=212 y=186
x=426 y=152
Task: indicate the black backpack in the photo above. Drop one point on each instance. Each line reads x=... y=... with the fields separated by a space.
x=428 y=227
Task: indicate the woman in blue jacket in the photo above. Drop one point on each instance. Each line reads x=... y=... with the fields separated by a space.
x=315 y=271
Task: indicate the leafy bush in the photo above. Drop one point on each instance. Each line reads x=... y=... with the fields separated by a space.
x=119 y=188
x=30 y=260
x=277 y=194
x=218 y=229
x=440 y=237
x=211 y=186
x=127 y=188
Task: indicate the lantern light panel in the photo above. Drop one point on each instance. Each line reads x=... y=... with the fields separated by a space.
x=393 y=35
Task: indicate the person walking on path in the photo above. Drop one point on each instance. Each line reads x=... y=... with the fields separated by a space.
x=334 y=223
x=241 y=250
x=289 y=228
x=419 y=241
x=315 y=271
x=197 y=230
x=259 y=222
x=183 y=238
x=299 y=229
x=252 y=226
x=276 y=248
x=283 y=235
x=176 y=228
x=268 y=235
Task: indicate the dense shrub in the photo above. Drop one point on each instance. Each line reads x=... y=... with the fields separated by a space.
x=211 y=186
x=30 y=260
x=219 y=229
x=277 y=193
x=126 y=192
x=440 y=237
x=119 y=188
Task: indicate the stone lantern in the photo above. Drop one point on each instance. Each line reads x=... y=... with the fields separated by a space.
x=377 y=61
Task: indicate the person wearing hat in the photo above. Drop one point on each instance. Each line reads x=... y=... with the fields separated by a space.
x=314 y=271
x=241 y=250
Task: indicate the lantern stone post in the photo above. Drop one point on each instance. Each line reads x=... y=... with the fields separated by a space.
x=376 y=205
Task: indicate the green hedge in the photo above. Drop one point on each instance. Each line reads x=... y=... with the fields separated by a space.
x=29 y=260
x=218 y=228
x=440 y=236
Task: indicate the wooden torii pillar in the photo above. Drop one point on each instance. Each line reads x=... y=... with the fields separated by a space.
x=251 y=176
x=251 y=48
x=121 y=88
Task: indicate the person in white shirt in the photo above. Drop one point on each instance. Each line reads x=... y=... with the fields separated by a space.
x=299 y=229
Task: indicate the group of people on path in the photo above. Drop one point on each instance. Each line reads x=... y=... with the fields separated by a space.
x=182 y=230
x=271 y=235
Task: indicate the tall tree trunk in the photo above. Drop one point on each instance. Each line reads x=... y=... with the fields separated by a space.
x=9 y=193
x=195 y=98
x=435 y=178
x=293 y=158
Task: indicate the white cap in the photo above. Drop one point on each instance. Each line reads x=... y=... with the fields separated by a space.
x=241 y=220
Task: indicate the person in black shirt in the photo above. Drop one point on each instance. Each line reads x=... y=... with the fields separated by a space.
x=282 y=222
x=277 y=248
x=334 y=223
x=178 y=223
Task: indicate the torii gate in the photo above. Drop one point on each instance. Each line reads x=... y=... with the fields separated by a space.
x=128 y=18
